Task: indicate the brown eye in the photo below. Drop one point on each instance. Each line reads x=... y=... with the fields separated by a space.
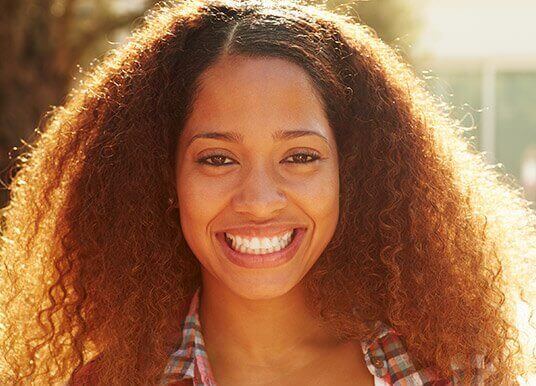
x=215 y=160
x=303 y=158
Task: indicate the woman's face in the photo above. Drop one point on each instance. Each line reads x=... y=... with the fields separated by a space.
x=257 y=176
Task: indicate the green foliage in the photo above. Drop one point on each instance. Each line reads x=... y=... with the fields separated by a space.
x=395 y=21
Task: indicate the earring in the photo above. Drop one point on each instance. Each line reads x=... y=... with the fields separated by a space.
x=170 y=215
x=172 y=201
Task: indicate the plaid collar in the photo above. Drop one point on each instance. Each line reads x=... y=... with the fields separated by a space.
x=385 y=357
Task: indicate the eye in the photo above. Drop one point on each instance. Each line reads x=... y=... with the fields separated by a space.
x=215 y=160
x=303 y=157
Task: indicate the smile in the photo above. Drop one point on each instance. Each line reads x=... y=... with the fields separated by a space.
x=261 y=252
x=260 y=245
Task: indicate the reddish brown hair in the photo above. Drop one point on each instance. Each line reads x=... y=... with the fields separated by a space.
x=430 y=239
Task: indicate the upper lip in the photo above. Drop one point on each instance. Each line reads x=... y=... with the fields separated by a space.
x=268 y=230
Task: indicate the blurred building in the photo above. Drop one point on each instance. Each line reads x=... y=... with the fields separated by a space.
x=480 y=57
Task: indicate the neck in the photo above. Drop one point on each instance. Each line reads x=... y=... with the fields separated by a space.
x=260 y=332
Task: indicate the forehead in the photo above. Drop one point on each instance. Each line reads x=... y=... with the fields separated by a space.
x=240 y=92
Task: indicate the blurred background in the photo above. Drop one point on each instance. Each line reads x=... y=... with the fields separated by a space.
x=478 y=56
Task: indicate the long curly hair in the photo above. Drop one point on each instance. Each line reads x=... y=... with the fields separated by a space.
x=431 y=240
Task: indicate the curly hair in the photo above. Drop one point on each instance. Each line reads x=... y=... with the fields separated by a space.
x=430 y=239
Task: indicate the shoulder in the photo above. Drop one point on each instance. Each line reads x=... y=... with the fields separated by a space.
x=86 y=376
x=388 y=357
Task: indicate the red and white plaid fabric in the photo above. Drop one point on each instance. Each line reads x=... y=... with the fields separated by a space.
x=385 y=357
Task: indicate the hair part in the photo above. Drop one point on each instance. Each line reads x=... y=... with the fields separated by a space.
x=430 y=240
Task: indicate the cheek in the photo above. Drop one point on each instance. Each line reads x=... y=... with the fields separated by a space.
x=202 y=197
x=318 y=196
x=200 y=200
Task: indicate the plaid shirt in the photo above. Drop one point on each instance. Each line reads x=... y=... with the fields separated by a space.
x=385 y=357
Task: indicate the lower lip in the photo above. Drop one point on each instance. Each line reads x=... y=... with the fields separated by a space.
x=267 y=260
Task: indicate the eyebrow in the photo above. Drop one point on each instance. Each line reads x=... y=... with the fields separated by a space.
x=279 y=135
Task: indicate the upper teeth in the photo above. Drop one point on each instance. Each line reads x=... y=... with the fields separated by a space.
x=260 y=244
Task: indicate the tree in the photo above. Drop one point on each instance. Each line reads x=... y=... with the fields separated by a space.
x=42 y=41
x=395 y=21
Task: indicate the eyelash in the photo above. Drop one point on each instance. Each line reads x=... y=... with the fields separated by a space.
x=313 y=154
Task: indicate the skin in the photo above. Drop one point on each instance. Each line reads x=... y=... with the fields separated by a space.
x=268 y=328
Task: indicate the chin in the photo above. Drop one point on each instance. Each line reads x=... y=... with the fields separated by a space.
x=262 y=288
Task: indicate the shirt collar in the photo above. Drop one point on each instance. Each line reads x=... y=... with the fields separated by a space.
x=190 y=360
x=385 y=356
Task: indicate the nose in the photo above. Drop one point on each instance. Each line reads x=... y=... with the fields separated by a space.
x=259 y=194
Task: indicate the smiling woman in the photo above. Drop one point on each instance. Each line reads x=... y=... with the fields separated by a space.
x=259 y=193
x=273 y=174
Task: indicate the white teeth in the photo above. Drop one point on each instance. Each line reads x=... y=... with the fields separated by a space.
x=266 y=243
x=259 y=245
x=255 y=243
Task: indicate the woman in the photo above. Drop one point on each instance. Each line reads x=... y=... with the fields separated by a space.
x=256 y=193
